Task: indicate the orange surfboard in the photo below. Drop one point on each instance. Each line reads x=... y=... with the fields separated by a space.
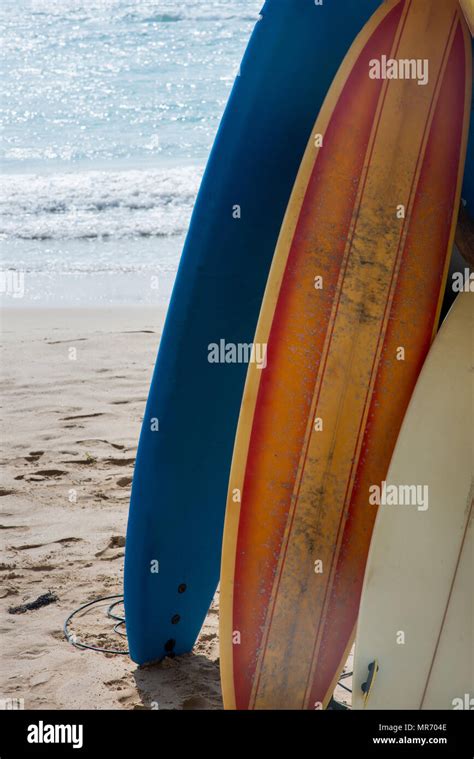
x=350 y=309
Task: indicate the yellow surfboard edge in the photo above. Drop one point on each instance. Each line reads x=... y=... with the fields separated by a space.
x=468 y=9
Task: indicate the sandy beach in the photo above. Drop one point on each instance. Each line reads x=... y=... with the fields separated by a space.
x=74 y=385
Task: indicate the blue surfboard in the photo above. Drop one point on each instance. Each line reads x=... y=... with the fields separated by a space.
x=457 y=264
x=177 y=507
x=467 y=193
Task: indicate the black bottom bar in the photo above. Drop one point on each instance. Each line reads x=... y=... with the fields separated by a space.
x=322 y=734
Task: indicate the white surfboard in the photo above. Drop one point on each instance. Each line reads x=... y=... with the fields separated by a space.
x=416 y=621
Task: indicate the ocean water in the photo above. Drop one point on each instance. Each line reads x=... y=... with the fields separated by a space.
x=109 y=109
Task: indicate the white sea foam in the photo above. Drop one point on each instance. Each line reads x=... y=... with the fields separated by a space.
x=147 y=12
x=99 y=97
x=98 y=204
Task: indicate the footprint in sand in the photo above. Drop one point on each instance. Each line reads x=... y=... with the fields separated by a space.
x=5 y=592
x=58 y=635
x=32 y=653
x=204 y=637
x=131 y=400
x=124 y=482
x=93 y=440
x=40 y=679
x=12 y=526
x=195 y=702
x=116 y=541
x=88 y=461
x=80 y=416
x=72 y=340
x=120 y=462
x=28 y=546
x=34 y=455
x=4 y=491
x=124 y=690
x=128 y=697
x=50 y=473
